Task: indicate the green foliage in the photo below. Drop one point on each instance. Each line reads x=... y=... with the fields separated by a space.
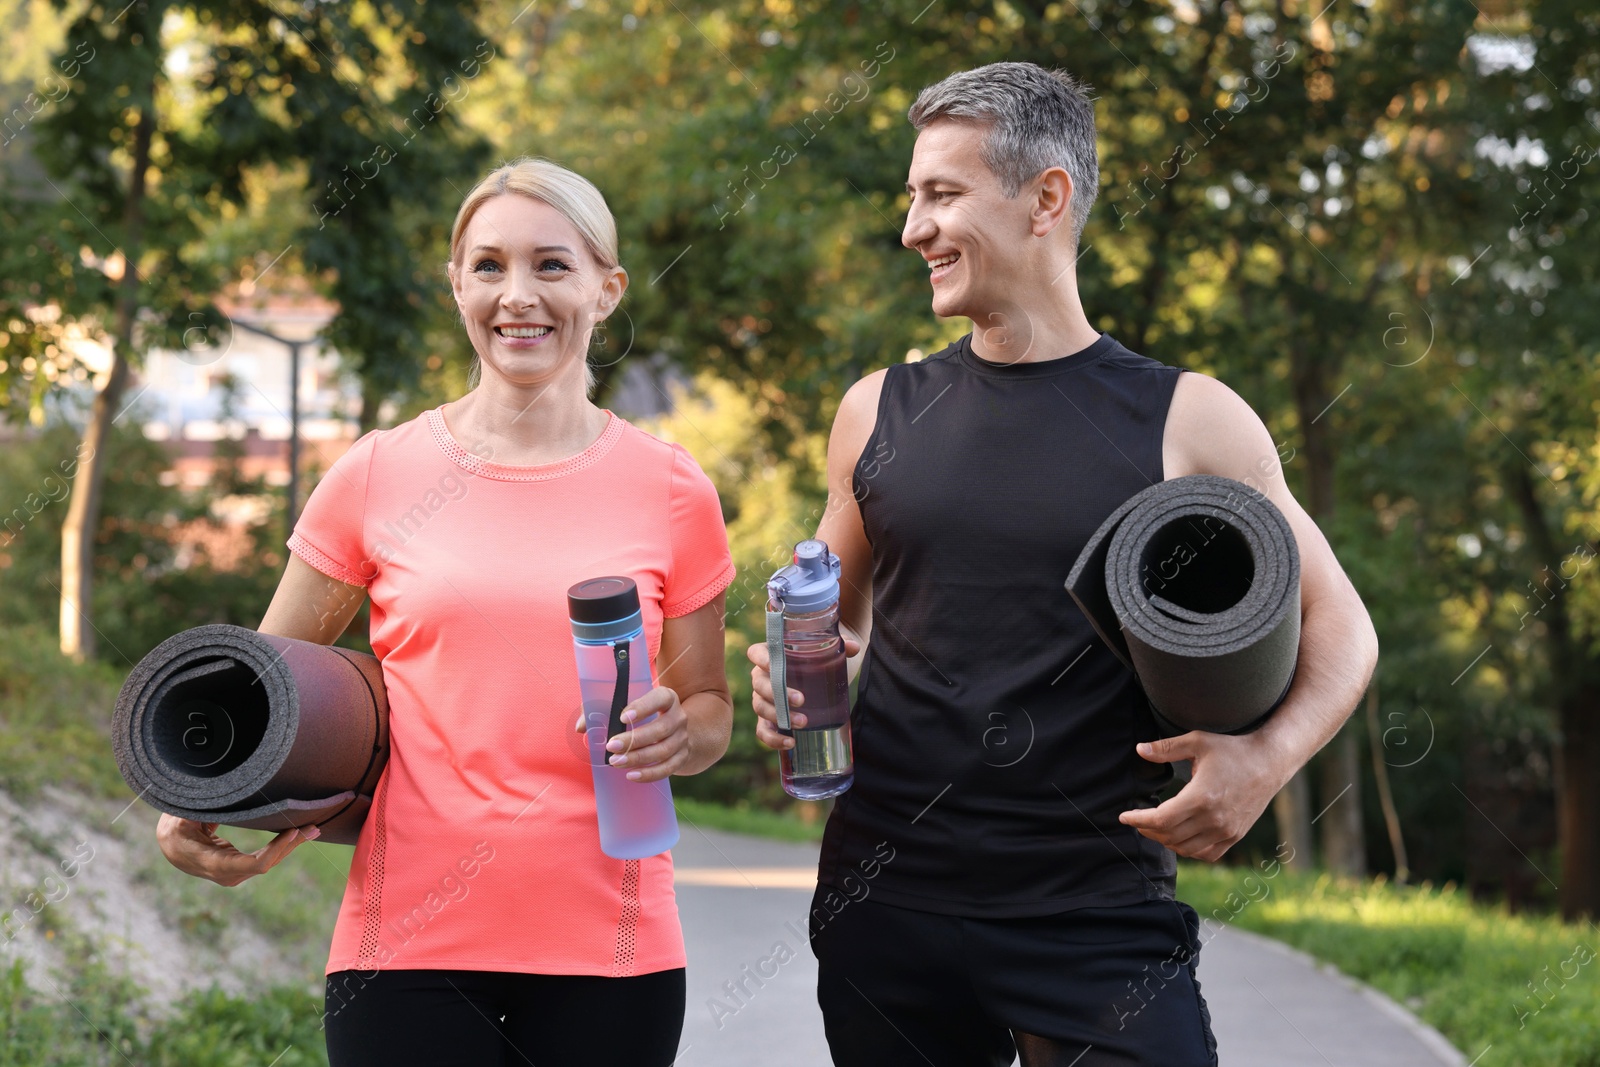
x=1481 y=975
x=757 y=822
x=30 y=1023
x=55 y=715
x=100 y=1023
x=145 y=589
x=763 y=492
x=213 y=1029
x=355 y=99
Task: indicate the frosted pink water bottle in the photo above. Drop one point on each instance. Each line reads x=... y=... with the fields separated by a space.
x=636 y=818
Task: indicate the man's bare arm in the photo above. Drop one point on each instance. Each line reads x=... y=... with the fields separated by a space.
x=1211 y=430
x=841 y=528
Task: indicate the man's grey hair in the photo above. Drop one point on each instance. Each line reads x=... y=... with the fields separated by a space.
x=1037 y=119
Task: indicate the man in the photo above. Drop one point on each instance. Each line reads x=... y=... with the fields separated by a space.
x=1000 y=878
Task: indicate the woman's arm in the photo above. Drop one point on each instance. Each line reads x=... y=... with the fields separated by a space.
x=310 y=606
x=846 y=536
x=691 y=696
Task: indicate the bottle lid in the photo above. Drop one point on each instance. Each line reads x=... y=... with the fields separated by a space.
x=810 y=583
x=603 y=600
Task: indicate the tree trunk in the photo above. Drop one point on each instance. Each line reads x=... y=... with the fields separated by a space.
x=82 y=520
x=371 y=400
x=1292 y=809
x=1343 y=843
x=1380 y=774
x=1575 y=683
x=1578 y=804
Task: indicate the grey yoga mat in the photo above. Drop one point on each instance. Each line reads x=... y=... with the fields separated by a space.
x=1194 y=583
x=223 y=724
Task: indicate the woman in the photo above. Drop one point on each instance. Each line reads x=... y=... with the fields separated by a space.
x=481 y=924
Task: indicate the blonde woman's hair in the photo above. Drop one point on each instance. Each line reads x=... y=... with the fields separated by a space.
x=571 y=194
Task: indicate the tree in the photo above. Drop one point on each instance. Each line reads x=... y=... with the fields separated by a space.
x=1243 y=228
x=1518 y=305
x=170 y=107
x=1206 y=249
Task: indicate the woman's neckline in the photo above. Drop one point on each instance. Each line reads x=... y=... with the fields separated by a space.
x=539 y=472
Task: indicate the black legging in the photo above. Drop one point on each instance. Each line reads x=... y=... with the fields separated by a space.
x=494 y=1018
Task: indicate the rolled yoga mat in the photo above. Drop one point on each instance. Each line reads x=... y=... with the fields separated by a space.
x=226 y=725
x=1194 y=583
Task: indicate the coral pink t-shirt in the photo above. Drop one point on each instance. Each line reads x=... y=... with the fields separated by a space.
x=482 y=849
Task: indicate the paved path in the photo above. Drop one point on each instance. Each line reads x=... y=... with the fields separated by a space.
x=743 y=902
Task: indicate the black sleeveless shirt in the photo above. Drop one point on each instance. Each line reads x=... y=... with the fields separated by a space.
x=994 y=732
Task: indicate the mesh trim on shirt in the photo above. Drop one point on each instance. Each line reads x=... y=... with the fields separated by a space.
x=324 y=562
x=372 y=902
x=507 y=473
x=706 y=594
x=628 y=925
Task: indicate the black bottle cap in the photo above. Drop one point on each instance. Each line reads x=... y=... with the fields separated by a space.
x=600 y=600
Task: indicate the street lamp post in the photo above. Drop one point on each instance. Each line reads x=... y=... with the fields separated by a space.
x=294 y=346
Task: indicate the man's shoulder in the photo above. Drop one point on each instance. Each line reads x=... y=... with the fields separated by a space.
x=1120 y=357
x=1204 y=395
x=858 y=409
x=917 y=365
x=915 y=371
x=1210 y=429
x=945 y=355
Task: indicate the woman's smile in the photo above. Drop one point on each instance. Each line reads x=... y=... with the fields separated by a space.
x=523 y=335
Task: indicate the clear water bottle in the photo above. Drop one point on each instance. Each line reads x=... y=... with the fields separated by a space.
x=807 y=654
x=636 y=818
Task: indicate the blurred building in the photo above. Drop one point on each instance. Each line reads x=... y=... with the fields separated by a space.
x=179 y=396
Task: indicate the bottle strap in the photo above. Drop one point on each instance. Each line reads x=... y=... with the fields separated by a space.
x=619 y=695
x=780 y=681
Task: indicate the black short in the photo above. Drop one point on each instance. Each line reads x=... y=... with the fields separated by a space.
x=1093 y=987
x=493 y=1018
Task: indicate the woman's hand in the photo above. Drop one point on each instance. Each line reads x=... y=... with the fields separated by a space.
x=761 y=696
x=659 y=747
x=194 y=848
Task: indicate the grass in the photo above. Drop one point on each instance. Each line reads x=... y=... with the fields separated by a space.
x=90 y=1013
x=1524 y=987
x=56 y=718
x=55 y=721
x=780 y=825
x=294 y=905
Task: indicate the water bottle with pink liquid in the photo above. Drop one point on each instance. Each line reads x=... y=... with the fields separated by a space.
x=806 y=653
